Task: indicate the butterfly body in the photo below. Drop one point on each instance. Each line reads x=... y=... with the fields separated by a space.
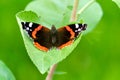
x=45 y=39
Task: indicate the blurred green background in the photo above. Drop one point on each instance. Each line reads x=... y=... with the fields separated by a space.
x=100 y=50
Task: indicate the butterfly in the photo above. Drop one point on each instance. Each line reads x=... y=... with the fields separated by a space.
x=45 y=38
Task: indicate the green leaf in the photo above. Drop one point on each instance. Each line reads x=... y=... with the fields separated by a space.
x=47 y=13
x=43 y=60
x=28 y=16
x=117 y=2
x=5 y=73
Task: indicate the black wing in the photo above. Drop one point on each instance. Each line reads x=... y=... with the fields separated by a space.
x=67 y=34
x=77 y=28
x=40 y=35
x=29 y=27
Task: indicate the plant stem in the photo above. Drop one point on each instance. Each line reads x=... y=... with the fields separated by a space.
x=50 y=73
x=74 y=11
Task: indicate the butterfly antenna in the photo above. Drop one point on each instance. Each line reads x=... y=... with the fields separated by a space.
x=84 y=26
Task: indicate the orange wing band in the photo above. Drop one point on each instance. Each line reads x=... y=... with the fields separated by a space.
x=40 y=47
x=35 y=31
x=71 y=37
x=66 y=44
x=71 y=32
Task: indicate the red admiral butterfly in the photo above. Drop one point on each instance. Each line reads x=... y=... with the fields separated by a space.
x=45 y=39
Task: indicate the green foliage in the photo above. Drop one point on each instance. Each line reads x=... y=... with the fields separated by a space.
x=43 y=60
x=57 y=12
x=96 y=57
x=5 y=73
x=28 y=16
x=117 y=2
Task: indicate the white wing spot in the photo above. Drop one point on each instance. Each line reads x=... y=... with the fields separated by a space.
x=76 y=26
x=79 y=29
x=27 y=28
x=30 y=24
x=30 y=29
x=76 y=30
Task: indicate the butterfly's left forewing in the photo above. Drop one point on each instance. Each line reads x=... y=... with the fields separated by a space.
x=40 y=35
x=29 y=27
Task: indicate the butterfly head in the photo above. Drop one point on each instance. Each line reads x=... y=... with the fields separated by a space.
x=53 y=29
